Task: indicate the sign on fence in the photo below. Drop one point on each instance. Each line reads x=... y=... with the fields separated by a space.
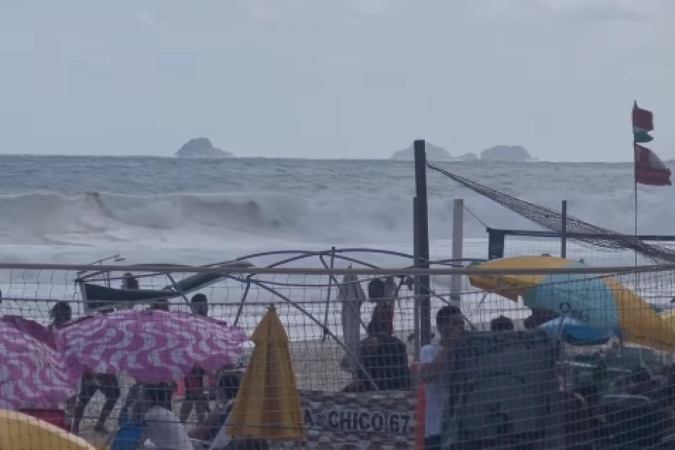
x=372 y=421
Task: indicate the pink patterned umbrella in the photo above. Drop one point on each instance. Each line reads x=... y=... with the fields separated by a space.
x=150 y=346
x=32 y=370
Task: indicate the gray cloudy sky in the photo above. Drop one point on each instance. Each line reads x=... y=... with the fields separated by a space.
x=335 y=78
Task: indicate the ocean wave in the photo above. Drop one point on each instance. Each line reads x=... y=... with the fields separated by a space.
x=330 y=217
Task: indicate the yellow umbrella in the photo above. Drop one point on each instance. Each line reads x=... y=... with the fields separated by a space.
x=669 y=317
x=268 y=404
x=19 y=431
x=594 y=300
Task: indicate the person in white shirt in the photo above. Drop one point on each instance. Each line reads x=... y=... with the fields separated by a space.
x=434 y=371
x=163 y=430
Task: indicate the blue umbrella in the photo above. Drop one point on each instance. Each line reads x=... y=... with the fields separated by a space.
x=577 y=333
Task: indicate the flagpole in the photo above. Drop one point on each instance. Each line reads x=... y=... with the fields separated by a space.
x=635 y=209
x=635 y=191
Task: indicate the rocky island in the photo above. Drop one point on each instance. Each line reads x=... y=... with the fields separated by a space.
x=434 y=153
x=201 y=148
x=514 y=153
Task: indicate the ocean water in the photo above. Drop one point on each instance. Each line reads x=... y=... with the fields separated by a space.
x=79 y=209
x=165 y=210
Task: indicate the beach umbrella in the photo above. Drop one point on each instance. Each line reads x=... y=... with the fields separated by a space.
x=19 y=431
x=669 y=317
x=596 y=301
x=32 y=369
x=576 y=333
x=351 y=297
x=151 y=345
x=268 y=405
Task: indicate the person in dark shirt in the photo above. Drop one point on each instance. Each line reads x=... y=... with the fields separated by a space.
x=384 y=358
x=383 y=313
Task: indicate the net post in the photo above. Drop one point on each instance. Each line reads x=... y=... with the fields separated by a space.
x=457 y=247
x=416 y=288
x=563 y=231
x=422 y=239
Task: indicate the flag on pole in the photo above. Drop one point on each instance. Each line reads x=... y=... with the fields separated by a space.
x=643 y=123
x=649 y=169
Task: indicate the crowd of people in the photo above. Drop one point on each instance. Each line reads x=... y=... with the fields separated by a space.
x=383 y=365
x=147 y=413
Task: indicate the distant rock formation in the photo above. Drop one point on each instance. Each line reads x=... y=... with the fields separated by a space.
x=505 y=153
x=434 y=153
x=467 y=157
x=201 y=148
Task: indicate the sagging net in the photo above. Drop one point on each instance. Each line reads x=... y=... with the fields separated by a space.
x=577 y=229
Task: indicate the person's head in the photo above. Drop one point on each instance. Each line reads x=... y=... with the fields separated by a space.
x=200 y=304
x=157 y=393
x=501 y=323
x=160 y=305
x=376 y=289
x=61 y=313
x=449 y=321
x=227 y=387
x=129 y=281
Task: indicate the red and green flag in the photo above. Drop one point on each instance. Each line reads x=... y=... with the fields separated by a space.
x=649 y=169
x=643 y=123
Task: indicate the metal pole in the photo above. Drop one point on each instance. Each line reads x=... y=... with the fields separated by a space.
x=423 y=240
x=330 y=284
x=563 y=232
x=457 y=247
x=416 y=290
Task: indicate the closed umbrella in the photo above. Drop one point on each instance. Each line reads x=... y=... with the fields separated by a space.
x=593 y=300
x=268 y=405
x=351 y=297
x=19 y=431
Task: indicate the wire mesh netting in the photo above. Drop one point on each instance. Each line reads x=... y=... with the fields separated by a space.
x=576 y=229
x=565 y=360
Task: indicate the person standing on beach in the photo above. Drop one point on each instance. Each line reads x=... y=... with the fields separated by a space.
x=382 y=294
x=107 y=383
x=194 y=383
x=434 y=370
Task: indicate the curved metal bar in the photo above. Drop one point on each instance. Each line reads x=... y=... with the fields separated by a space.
x=316 y=321
x=243 y=298
x=192 y=307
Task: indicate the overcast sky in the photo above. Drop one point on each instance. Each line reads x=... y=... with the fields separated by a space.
x=335 y=78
